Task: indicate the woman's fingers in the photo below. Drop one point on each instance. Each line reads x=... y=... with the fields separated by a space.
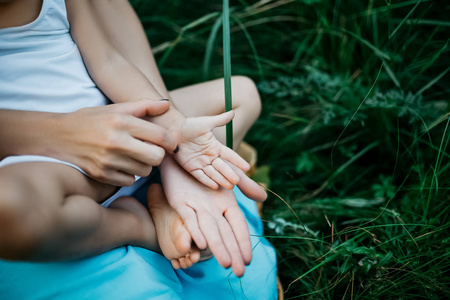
x=249 y=187
x=140 y=108
x=212 y=234
x=130 y=166
x=228 y=236
x=189 y=218
x=144 y=152
x=241 y=233
x=150 y=132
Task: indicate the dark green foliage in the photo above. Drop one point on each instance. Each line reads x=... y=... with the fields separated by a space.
x=354 y=133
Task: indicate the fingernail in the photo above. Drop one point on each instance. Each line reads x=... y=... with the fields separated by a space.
x=164 y=99
x=176 y=149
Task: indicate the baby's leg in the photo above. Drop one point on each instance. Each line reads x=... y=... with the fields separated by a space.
x=48 y=211
x=207 y=99
x=174 y=239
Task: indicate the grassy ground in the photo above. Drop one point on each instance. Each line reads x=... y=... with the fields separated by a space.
x=353 y=138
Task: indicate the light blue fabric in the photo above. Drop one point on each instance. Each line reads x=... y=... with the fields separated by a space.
x=208 y=280
x=136 y=273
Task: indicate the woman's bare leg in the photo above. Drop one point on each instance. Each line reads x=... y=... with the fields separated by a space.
x=48 y=211
x=207 y=99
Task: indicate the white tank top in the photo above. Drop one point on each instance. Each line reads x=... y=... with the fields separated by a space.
x=41 y=68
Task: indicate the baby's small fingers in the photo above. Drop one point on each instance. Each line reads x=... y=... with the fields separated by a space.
x=203 y=178
x=218 y=177
x=226 y=171
x=234 y=158
x=219 y=120
x=175 y=263
x=240 y=229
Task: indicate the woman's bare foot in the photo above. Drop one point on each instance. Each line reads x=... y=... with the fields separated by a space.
x=174 y=239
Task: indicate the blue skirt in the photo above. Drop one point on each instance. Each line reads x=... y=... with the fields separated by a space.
x=136 y=273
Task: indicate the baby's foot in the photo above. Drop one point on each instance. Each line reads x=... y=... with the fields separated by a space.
x=174 y=239
x=147 y=233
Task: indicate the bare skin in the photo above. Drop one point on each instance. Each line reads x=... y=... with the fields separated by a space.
x=105 y=176
x=199 y=206
x=173 y=237
x=129 y=39
x=18 y=12
x=64 y=221
x=52 y=214
x=174 y=241
x=121 y=81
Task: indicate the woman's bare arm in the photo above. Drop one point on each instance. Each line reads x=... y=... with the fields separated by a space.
x=108 y=142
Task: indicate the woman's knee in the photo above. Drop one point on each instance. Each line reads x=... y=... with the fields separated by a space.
x=246 y=96
x=24 y=220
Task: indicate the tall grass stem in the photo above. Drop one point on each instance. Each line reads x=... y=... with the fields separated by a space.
x=227 y=69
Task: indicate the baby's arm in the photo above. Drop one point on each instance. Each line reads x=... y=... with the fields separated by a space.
x=112 y=73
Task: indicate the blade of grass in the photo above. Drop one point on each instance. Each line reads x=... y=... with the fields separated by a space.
x=227 y=69
x=432 y=82
x=252 y=46
x=183 y=30
x=377 y=51
x=436 y=168
x=404 y=20
x=210 y=46
x=356 y=111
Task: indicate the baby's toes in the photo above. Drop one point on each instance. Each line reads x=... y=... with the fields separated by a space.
x=195 y=255
x=189 y=262
x=185 y=262
x=182 y=240
x=175 y=263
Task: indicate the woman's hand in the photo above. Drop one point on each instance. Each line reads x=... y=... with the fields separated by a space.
x=212 y=217
x=112 y=143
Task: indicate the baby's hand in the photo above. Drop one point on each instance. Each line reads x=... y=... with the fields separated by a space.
x=203 y=156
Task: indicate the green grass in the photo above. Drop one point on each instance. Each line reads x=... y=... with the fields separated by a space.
x=354 y=133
